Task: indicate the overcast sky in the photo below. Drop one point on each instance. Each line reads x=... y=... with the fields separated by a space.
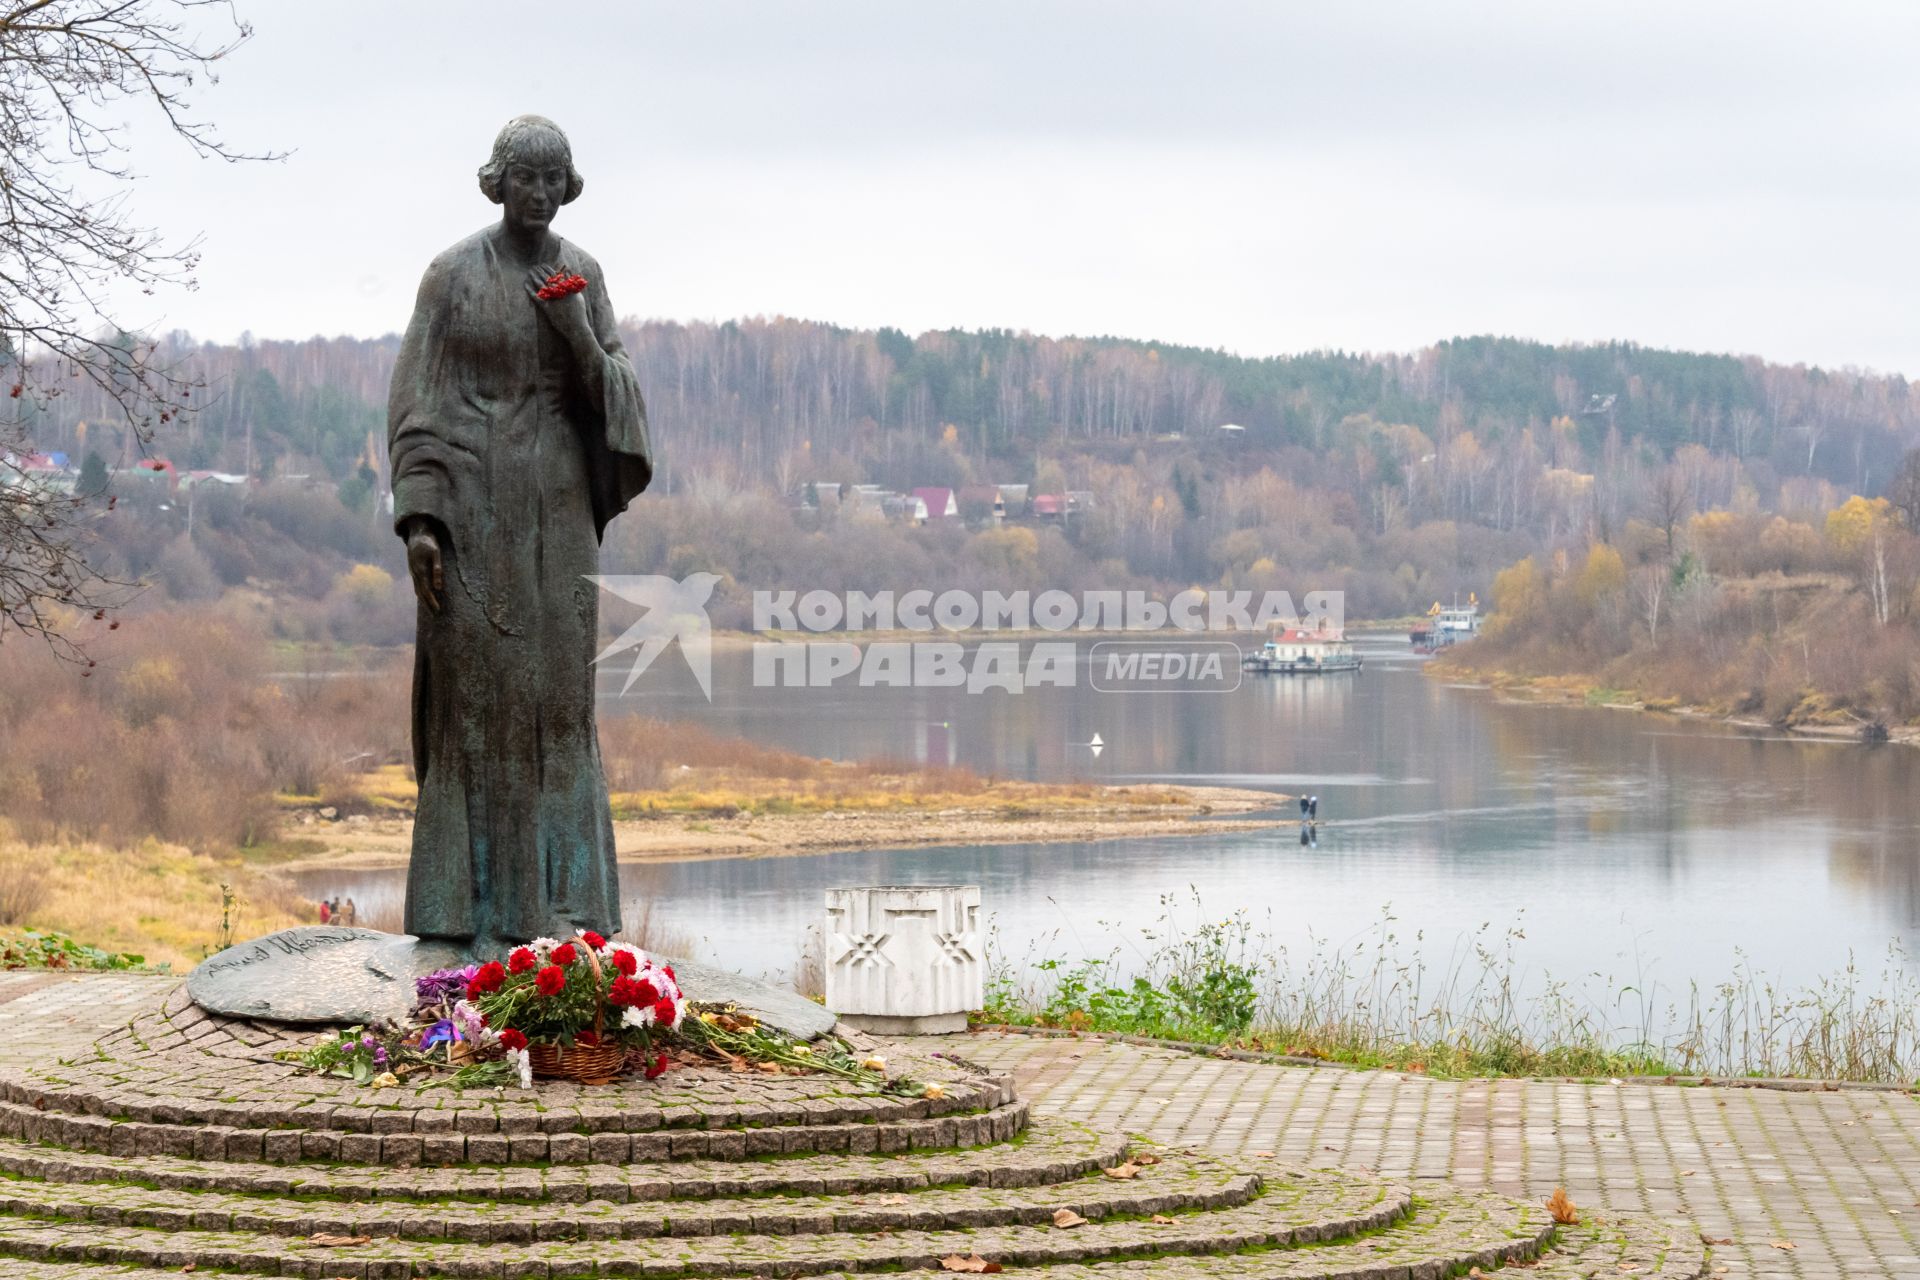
x=1264 y=177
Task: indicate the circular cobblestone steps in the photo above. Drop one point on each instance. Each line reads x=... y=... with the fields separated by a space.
x=182 y=1143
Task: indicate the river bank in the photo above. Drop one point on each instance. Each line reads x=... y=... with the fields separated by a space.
x=1002 y=813
x=1586 y=691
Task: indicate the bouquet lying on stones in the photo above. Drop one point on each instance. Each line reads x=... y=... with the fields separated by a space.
x=587 y=1010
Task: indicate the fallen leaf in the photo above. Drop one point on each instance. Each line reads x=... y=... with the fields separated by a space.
x=1786 y=1245
x=771 y=1068
x=191 y=1266
x=972 y=1262
x=1561 y=1208
x=1263 y=1155
x=1161 y=1219
x=330 y=1241
x=1065 y=1218
x=1686 y=1173
x=1144 y=1161
x=1716 y=1239
x=1126 y=1170
x=891 y=1200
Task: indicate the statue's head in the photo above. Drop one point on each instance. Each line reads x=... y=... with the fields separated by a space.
x=531 y=170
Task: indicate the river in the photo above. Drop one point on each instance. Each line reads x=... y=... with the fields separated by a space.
x=1650 y=850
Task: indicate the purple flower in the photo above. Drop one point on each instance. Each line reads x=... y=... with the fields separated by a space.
x=441 y=1032
x=368 y=1042
x=442 y=985
x=380 y=1056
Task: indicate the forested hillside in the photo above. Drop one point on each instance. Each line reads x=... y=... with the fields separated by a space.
x=1399 y=477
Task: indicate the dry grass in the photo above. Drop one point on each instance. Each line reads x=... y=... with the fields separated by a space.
x=181 y=733
x=161 y=901
x=23 y=892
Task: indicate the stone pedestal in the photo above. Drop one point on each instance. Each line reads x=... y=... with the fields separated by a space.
x=326 y=974
x=905 y=960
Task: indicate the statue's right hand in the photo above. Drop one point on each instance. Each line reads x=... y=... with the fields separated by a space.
x=424 y=563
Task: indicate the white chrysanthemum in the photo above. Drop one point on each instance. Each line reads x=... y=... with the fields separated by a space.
x=543 y=947
x=636 y=1017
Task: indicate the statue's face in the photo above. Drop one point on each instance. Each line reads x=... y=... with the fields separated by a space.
x=532 y=193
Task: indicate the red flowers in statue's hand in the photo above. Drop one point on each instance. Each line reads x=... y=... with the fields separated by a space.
x=565 y=954
x=551 y=981
x=513 y=1040
x=559 y=285
x=521 y=960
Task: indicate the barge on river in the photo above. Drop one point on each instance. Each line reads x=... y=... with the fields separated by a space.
x=1444 y=627
x=1302 y=653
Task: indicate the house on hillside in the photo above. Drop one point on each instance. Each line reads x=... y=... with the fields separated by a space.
x=910 y=507
x=866 y=501
x=196 y=478
x=982 y=504
x=1013 y=497
x=1050 y=508
x=819 y=495
x=153 y=471
x=43 y=471
x=939 y=503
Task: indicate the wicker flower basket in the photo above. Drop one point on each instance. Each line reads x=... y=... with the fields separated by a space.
x=582 y=1063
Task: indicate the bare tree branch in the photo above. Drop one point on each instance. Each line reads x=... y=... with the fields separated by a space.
x=69 y=69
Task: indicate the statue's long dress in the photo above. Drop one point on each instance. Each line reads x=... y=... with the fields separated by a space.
x=495 y=436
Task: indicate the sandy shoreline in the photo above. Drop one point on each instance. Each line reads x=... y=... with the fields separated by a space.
x=383 y=842
x=1543 y=690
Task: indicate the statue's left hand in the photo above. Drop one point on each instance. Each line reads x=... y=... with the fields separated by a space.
x=568 y=313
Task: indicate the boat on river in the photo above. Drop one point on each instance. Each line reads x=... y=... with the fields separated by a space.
x=1292 y=652
x=1443 y=627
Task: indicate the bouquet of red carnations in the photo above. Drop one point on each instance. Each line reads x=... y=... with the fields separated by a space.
x=581 y=1007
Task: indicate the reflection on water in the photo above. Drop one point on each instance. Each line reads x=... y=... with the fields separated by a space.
x=1642 y=847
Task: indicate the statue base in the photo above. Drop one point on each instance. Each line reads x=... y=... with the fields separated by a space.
x=335 y=976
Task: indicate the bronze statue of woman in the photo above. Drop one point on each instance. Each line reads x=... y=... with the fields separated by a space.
x=517 y=432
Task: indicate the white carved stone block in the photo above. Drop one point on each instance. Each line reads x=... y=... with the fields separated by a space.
x=905 y=960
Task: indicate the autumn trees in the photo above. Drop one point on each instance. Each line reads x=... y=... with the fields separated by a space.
x=70 y=71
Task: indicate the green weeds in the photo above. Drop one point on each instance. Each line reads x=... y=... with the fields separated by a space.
x=1377 y=1002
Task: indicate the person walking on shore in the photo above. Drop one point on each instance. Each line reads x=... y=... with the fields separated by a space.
x=1303 y=808
x=1313 y=808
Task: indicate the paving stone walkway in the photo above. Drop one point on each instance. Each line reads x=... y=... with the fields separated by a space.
x=1834 y=1174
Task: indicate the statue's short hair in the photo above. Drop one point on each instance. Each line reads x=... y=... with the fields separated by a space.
x=533 y=140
